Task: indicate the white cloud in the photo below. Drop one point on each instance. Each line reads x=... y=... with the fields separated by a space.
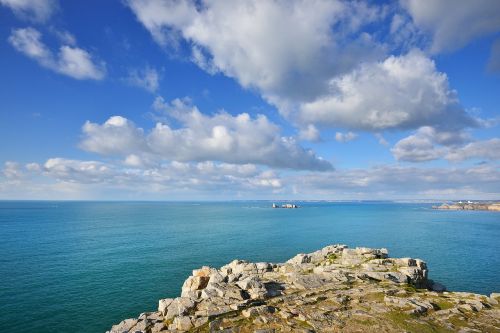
x=454 y=24
x=77 y=63
x=309 y=133
x=486 y=150
x=71 y=61
x=78 y=171
x=400 y=92
x=147 y=78
x=170 y=177
x=384 y=182
x=117 y=136
x=314 y=60
x=61 y=178
x=134 y=161
x=419 y=147
x=285 y=49
x=36 y=10
x=345 y=137
x=64 y=36
x=12 y=170
x=34 y=167
x=222 y=137
x=431 y=144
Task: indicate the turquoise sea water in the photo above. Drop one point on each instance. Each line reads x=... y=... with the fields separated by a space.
x=83 y=266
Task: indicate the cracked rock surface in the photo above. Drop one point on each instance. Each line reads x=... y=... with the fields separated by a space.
x=335 y=289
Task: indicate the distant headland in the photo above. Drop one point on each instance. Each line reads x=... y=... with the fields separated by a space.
x=470 y=205
x=332 y=289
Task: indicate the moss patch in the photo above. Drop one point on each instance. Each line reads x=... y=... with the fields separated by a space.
x=303 y=324
x=443 y=304
x=410 y=323
x=376 y=297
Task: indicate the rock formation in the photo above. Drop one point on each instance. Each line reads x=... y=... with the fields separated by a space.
x=491 y=206
x=333 y=289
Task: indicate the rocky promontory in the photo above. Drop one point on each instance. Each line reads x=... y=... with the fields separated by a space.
x=335 y=289
x=469 y=205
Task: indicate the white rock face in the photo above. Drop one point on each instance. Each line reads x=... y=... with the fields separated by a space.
x=179 y=306
x=182 y=323
x=163 y=305
x=299 y=259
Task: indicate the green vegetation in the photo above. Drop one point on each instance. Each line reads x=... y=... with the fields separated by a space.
x=457 y=321
x=332 y=257
x=377 y=297
x=444 y=304
x=410 y=323
x=303 y=324
x=410 y=288
x=365 y=322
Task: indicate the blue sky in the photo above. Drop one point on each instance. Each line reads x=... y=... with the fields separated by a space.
x=166 y=100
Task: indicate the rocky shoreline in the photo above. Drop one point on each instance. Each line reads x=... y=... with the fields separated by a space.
x=330 y=290
x=490 y=206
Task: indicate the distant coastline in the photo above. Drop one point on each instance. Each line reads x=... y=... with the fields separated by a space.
x=469 y=205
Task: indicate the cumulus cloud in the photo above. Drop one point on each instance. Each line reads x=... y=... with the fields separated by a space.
x=310 y=133
x=385 y=182
x=117 y=136
x=429 y=143
x=147 y=78
x=71 y=61
x=400 y=92
x=285 y=49
x=36 y=10
x=315 y=60
x=222 y=137
x=345 y=137
x=65 y=37
x=404 y=34
x=446 y=20
x=486 y=150
x=63 y=178
x=35 y=167
x=12 y=170
x=321 y=65
x=77 y=171
x=179 y=176
x=418 y=147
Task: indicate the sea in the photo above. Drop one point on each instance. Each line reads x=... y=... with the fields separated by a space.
x=83 y=266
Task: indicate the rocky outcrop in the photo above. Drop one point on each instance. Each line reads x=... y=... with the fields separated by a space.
x=491 y=206
x=333 y=289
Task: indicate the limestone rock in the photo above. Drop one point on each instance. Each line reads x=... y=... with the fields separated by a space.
x=179 y=306
x=332 y=289
x=300 y=258
x=258 y=310
x=163 y=305
x=124 y=326
x=182 y=323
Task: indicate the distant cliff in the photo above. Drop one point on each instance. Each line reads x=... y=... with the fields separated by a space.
x=492 y=206
x=333 y=289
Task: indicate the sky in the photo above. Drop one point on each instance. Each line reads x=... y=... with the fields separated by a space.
x=228 y=100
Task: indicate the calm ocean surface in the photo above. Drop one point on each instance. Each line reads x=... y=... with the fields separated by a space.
x=83 y=266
